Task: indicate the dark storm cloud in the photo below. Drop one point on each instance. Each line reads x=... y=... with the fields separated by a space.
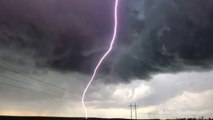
x=176 y=35
x=67 y=35
x=64 y=35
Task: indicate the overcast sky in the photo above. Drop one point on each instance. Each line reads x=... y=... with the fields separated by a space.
x=162 y=59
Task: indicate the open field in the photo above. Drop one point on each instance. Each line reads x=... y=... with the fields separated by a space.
x=50 y=118
x=53 y=118
x=78 y=118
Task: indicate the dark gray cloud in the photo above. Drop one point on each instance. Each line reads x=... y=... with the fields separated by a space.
x=67 y=35
x=63 y=35
x=168 y=36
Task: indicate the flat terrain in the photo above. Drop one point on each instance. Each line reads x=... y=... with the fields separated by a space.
x=75 y=118
x=55 y=118
x=50 y=118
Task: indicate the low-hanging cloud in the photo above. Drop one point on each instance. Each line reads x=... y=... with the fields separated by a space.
x=175 y=36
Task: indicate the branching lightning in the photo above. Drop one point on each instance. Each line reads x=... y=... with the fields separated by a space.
x=104 y=56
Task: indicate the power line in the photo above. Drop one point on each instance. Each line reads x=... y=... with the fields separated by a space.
x=32 y=78
x=26 y=83
x=131 y=110
x=11 y=85
x=32 y=90
x=135 y=111
x=44 y=93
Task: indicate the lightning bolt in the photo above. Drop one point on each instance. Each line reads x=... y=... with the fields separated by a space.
x=104 y=56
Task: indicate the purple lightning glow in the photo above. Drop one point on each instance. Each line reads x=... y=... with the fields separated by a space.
x=103 y=57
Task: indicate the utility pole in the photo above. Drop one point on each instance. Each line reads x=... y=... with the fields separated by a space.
x=135 y=111
x=131 y=110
